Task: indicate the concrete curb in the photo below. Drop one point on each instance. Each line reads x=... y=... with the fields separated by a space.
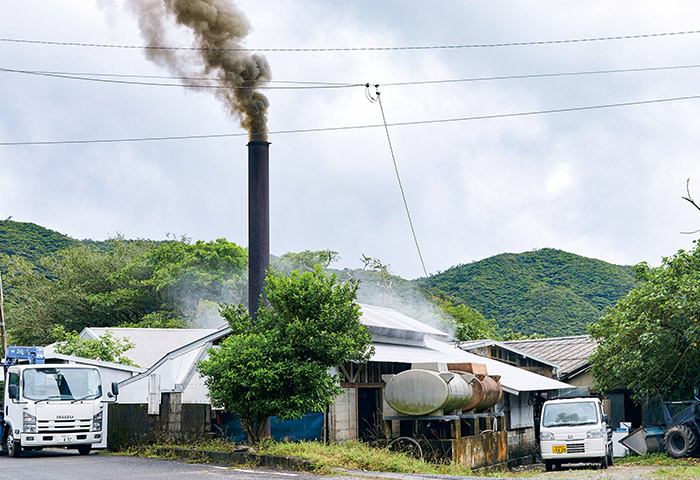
x=235 y=458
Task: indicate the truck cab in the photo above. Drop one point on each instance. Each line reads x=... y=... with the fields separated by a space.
x=575 y=430
x=51 y=405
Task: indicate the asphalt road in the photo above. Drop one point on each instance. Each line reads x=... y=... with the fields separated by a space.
x=68 y=465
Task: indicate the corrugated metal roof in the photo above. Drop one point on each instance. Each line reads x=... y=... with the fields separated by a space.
x=388 y=318
x=570 y=354
x=472 y=345
x=150 y=344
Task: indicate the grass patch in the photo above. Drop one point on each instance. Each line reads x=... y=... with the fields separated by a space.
x=359 y=456
x=353 y=456
x=657 y=459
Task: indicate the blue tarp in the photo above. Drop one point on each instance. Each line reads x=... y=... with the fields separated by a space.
x=307 y=428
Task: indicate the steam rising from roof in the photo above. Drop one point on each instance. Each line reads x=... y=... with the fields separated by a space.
x=217 y=27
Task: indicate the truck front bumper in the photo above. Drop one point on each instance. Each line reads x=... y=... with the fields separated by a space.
x=571 y=451
x=34 y=440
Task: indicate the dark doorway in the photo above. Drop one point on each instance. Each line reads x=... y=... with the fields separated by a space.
x=368 y=414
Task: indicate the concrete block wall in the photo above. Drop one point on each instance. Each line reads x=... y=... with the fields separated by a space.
x=130 y=424
x=342 y=417
x=522 y=446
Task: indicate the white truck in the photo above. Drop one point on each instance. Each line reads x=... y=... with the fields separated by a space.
x=50 y=405
x=575 y=430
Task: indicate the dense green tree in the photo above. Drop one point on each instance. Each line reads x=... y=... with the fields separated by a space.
x=650 y=340
x=281 y=365
x=304 y=261
x=122 y=283
x=470 y=324
x=71 y=292
x=104 y=347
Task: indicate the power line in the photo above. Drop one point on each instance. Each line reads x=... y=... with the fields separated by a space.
x=542 y=75
x=160 y=84
x=361 y=127
x=356 y=49
x=308 y=85
x=378 y=100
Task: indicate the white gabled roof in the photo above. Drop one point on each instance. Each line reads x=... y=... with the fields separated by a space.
x=150 y=344
x=392 y=320
x=70 y=359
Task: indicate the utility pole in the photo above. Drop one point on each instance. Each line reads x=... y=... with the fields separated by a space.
x=2 y=323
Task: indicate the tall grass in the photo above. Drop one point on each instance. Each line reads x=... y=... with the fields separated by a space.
x=359 y=456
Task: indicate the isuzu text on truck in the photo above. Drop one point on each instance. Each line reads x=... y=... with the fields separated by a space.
x=575 y=430
x=50 y=405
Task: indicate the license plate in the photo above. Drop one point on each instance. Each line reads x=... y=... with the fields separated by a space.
x=65 y=439
x=558 y=448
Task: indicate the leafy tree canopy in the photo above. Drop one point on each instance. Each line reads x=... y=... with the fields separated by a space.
x=650 y=340
x=304 y=261
x=105 y=347
x=470 y=324
x=281 y=365
x=121 y=283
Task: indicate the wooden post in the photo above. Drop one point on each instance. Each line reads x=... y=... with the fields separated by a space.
x=3 y=337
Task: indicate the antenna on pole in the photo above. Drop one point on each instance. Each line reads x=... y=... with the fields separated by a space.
x=3 y=336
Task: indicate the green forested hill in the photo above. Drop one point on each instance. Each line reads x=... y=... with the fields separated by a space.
x=31 y=241
x=547 y=291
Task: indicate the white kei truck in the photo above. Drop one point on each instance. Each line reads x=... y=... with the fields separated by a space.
x=50 y=405
x=575 y=430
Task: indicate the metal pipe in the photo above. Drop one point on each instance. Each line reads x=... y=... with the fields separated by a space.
x=258 y=223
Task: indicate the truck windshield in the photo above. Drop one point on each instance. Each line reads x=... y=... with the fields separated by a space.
x=569 y=413
x=61 y=384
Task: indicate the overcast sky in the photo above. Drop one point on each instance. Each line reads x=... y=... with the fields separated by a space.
x=604 y=183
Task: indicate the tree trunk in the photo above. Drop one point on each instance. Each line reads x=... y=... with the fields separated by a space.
x=254 y=428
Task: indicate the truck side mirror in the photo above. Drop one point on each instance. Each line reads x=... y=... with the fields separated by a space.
x=13 y=392
x=606 y=419
x=115 y=390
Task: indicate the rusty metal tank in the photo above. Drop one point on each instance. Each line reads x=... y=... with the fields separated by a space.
x=418 y=392
x=486 y=388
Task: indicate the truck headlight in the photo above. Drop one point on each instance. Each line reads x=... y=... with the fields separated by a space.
x=29 y=423
x=595 y=433
x=546 y=436
x=97 y=422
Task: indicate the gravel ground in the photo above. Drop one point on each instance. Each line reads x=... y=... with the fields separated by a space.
x=622 y=472
x=617 y=472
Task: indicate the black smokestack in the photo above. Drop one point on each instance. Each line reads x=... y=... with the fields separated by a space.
x=258 y=222
x=219 y=29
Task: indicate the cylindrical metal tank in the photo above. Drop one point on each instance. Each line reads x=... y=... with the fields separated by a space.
x=493 y=392
x=487 y=392
x=420 y=392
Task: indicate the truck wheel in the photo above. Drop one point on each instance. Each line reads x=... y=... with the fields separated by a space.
x=548 y=465
x=680 y=441
x=84 y=449
x=604 y=461
x=14 y=448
